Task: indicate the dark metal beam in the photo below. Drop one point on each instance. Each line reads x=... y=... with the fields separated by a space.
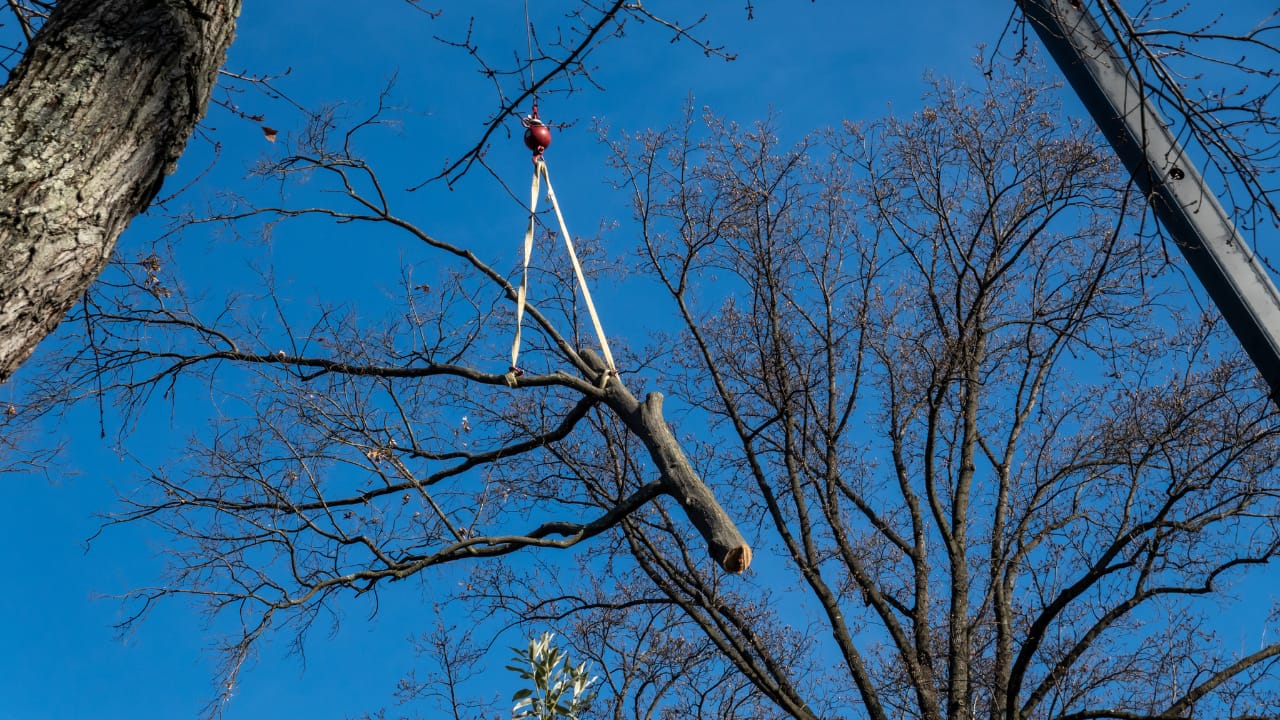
x=1185 y=205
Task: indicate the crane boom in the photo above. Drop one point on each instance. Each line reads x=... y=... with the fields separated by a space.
x=1186 y=207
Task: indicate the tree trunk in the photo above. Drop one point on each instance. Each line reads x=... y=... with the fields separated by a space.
x=91 y=121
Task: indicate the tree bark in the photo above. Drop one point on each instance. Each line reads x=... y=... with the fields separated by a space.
x=91 y=121
x=726 y=544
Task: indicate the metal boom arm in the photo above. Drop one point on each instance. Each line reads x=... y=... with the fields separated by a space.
x=1184 y=204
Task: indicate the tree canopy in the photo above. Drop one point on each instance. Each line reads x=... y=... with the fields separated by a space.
x=932 y=371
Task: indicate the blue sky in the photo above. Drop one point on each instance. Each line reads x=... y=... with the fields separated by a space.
x=812 y=64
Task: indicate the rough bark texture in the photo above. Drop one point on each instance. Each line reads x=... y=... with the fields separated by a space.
x=727 y=545
x=91 y=121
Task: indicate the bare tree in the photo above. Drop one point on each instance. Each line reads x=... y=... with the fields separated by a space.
x=347 y=457
x=995 y=467
x=932 y=366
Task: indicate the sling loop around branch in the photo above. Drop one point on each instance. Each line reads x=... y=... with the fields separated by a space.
x=540 y=173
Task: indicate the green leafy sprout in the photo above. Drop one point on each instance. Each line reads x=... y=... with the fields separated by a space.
x=561 y=690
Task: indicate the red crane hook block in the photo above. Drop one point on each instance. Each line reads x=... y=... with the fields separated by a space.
x=537 y=135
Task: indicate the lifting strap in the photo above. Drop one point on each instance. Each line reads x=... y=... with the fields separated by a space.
x=539 y=174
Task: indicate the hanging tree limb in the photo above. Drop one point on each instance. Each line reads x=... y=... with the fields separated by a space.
x=728 y=548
